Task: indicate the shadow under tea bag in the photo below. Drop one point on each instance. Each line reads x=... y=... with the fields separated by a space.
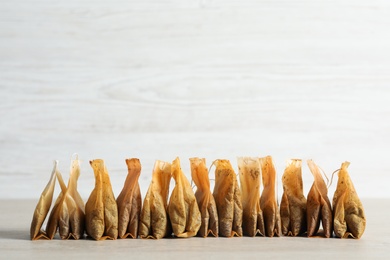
x=204 y=198
x=293 y=204
x=67 y=214
x=348 y=212
x=227 y=196
x=129 y=201
x=101 y=212
x=250 y=178
x=43 y=207
x=318 y=205
x=154 y=222
x=183 y=210
x=268 y=201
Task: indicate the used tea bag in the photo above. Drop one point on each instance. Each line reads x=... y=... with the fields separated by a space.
x=154 y=222
x=205 y=199
x=101 y=212
x=293 y=204
x=268 y=201
x=129 y=201
x=227 y=196
x=182 y=208
x=43 y=207
x=252 y=216
x=318 y=205
x=68 y=212
x=349 y=217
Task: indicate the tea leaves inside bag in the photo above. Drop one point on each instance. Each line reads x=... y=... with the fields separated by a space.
x=293 y=204
x=250 y=179
x=348 y=211
x=154 y=221
x=101 y=211
x=129 y=201
x=183 y=209
x=227 y=197
x=318 y=205
x=268 y=200
x=204 y=198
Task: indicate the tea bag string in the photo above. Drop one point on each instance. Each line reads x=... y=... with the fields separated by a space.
x=208 y=172
x=212 y=164
x=331 y=180
x=75 y=155
x=326 y=177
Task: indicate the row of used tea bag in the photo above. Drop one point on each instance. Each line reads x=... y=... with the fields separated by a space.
x=231 y=210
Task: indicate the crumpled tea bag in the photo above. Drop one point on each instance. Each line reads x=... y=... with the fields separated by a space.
x=43 y=207
x=182 y=208
x=293 y=204
x=227 y=196
x=154 y=221
x=67 y=214
x=348 y=212
x=204 y=198
x=129 y=201
x=101 y=212
x=318 y=205
x=250 y=178
x=268 y=202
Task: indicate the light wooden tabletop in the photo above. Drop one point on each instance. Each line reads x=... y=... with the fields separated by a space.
x=15 y=243
x=215 y=79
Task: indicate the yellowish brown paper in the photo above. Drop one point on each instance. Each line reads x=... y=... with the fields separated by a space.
x=293 y=204
x=268 y=201
x=43 y=207
x=227 y=197
x=204 y=198
x=183 y=209
x=319 y=208
x=101 y=211
x=129 y=201
x=349 y=217
x=250 y=179
x=154 y=221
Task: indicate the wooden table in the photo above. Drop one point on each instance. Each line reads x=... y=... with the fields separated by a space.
x=16 y=216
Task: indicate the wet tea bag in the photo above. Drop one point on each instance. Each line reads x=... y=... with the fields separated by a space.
x=268 y=201
x=101 y=212
x=154 y=222
x=43 y=207
x=204 y=198
x=227 y=196
x=348 y=212
x=293 y=204
x=250 y=176
x=183 y=209
x=67 y=214
x=318 y=205
x=129 y=201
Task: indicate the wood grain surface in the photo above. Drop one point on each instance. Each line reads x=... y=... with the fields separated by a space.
x=214 y=79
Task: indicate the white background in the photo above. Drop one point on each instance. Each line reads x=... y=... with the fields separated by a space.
x=214 y=79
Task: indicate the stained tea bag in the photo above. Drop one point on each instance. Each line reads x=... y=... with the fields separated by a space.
x=129 y=201
x=268 y=202
x=227 y=196
x=318 y=205
x=250 y=176
x=43 y=207
x=154 y=222
x=348 y=212
x=67 y=214
x=101 y=212
x=293 y=204
x=204 y=198
x=183 y=209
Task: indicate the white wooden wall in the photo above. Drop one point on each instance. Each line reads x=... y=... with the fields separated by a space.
x=214 y=79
